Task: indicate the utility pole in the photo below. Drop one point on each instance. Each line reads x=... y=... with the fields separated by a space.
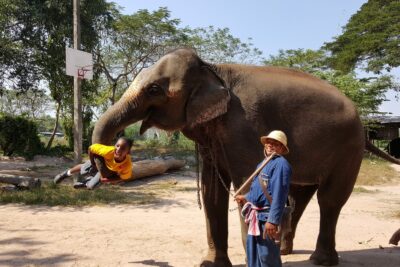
x=77 y=88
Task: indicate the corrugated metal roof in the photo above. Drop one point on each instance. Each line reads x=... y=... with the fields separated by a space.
x=385 y=119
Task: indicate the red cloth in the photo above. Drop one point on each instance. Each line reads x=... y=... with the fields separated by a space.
x=111 y=181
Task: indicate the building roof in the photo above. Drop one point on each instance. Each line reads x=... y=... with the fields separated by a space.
x=385 y=119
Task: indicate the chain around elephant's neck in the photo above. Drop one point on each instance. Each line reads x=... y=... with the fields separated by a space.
x=214 y=144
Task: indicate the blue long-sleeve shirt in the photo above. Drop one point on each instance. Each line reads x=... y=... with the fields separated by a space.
x=278 y=172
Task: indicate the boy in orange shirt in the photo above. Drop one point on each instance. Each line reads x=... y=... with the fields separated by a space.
x=116 y=159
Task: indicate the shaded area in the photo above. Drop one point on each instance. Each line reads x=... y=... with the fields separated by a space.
x=153 y=192
x=21 y=260
x=24 y=257
x=388 y=257
x=65 y=195
x=153 y=263
x=20 y=241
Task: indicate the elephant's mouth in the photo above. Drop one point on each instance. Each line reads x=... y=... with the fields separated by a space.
x=146 y=123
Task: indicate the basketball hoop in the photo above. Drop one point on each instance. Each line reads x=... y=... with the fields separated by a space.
x=79 y=64
x=81 y=73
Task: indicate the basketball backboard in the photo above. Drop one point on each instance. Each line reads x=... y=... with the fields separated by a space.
x=79 y=64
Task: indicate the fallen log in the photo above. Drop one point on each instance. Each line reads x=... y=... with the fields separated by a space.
x=146 y=168
x=22 y=182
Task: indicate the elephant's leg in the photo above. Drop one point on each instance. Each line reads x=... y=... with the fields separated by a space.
x=299 y=198
x=216 y=202
x=325 y=252
x=332 y=195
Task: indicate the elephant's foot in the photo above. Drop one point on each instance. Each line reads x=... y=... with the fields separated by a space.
x=325 y=258
x=286 y=247
x=215 y=260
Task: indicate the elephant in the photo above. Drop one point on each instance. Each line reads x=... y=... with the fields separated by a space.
x=225 y=108
x=394 y=147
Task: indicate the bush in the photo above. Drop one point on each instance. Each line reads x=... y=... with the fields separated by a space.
x=133 y=132
x=67 y=124
x=58 y=151
x=185 y=143
x=19 y=136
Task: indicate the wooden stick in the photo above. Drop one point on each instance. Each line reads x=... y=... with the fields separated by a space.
x=248 y=181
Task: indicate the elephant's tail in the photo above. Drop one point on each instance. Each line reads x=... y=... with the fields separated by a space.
x=376 y=151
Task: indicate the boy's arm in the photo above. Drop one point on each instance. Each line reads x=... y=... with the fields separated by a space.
x=91 y=157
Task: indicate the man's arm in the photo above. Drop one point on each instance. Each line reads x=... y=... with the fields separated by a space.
x=280 y=188
x=241 y=199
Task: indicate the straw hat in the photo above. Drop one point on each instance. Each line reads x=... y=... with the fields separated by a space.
x=277 y=136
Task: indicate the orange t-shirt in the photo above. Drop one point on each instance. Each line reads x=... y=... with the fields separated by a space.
x=123 y=168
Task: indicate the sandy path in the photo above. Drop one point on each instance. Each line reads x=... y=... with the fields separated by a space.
x=173 y=233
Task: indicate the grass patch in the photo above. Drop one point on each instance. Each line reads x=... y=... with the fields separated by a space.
x=360 y=189
x=63 y=195
x=186 y=189
x=376 y=171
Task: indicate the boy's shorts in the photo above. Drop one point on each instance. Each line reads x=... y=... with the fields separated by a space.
x=87 y=168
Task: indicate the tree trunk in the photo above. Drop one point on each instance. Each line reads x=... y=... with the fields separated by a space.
x=145 y=168
x=55 y=127
x=114 y=89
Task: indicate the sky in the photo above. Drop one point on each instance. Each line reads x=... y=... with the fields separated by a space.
x=272 y=25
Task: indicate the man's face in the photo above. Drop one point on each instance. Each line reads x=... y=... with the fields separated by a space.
x=274 y=146
x=121 y=150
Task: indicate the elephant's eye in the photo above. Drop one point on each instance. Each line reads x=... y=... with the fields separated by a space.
x=154 y=90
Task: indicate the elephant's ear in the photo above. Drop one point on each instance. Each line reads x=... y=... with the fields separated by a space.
x=208 y=100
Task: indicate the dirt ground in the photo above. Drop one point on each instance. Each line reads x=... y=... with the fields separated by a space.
x=172 y=232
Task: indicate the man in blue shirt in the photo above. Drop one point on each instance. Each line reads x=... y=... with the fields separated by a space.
x=265 y=202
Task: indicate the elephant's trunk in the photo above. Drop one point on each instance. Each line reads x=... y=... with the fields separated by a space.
x=120 y=115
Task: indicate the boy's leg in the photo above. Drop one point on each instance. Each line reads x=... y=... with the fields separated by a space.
x=61 y=176
x=93 y=182
x=102 y=168
x=86 y=168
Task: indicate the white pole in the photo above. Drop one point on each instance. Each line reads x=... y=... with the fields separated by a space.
x=77 y=89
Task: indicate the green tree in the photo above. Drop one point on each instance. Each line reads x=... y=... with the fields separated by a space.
x=18 y=135
x=34 y=36
x=137 y=41
x=133 y=43
x=370 y=39
x=31 y=103
x=307 y=60
x=217 y=45
x=367 y=93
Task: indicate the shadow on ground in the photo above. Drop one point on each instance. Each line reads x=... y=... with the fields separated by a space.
x=385 y=257
x=152 y=263
x=24 y=257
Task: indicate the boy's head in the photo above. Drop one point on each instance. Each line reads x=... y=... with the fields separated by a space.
x=122 y=148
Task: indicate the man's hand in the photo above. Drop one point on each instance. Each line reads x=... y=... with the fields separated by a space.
x=271 y=230
x=240 y=199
